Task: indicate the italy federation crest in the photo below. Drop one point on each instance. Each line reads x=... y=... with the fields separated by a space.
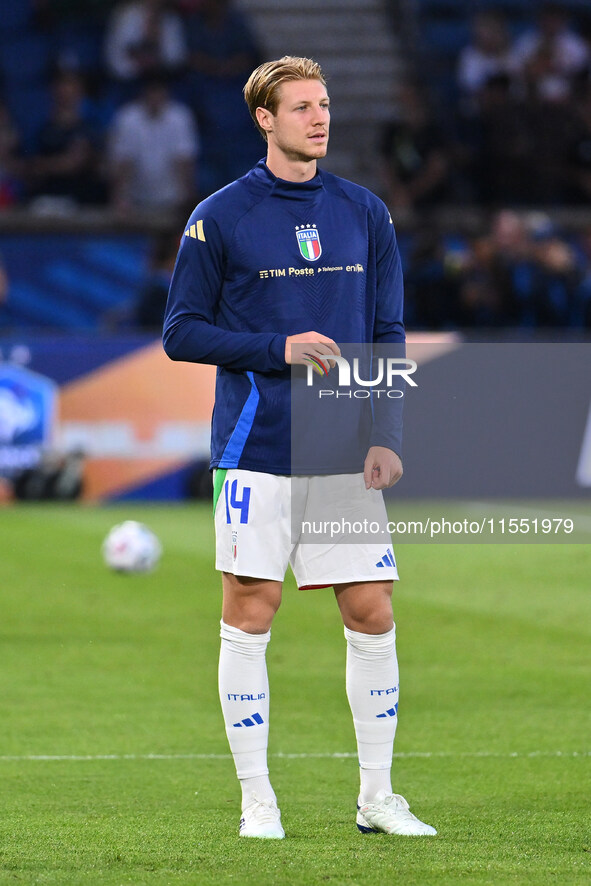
x=309 y=242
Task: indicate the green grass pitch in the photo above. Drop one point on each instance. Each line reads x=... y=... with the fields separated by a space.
x=114 y=767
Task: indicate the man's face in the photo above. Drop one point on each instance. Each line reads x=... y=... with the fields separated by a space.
x=300 y=127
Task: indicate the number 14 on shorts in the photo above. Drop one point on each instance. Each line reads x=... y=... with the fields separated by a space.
x=233 y=502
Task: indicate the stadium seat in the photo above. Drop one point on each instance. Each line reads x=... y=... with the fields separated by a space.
x=29 y=106
x=510 y=7
x=449 y=7
x=24 y=59
x=69 y=282
x=78 y=45
x=30 y=306
x=15 y=17
x=446 y=37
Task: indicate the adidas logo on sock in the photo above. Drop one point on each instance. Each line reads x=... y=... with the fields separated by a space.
x=391 y=712
x=387 y=559
x=254 y=720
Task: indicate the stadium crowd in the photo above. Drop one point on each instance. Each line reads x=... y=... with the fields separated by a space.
x=521 y=272
x=502 y=123
x=513 y=127
x=137 y=105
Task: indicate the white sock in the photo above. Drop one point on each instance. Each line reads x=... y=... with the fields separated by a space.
x=372 y=690
x=244 y=695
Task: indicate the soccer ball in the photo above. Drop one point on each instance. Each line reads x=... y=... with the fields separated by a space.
x=131 y=547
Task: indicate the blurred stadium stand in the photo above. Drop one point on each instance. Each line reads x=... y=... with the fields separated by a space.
x=71 y=282
x=441 y=28
x=82 y=267
x=363 y=60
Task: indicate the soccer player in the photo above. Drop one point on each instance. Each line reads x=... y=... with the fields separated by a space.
x=247 y=295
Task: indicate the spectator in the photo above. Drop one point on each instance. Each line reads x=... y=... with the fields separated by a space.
x=431 y=281
x=479 y=302
x=143 y=37
x=66 y=159
x=511 y=266
x=3 y=284
x=149 y=312
x=584 y=74
x=557 y=276
x=582 y=313
x=553 y=128
x=187 y=7
x=414 y=156
x=495 y=273
x=221 y=43
x=222 y=53
x=524 y=273
x=581 y=146
x=75 y=29
x=522 y=148
x=484 y=281
x=551 y=54
x=489 y=53
x=11 y=164
x=5 y=313
x=153 y=152
x=502 y=144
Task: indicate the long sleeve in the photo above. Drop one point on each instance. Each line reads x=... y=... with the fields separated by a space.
x=389 y=324
x=194 y=330
x=389 y=335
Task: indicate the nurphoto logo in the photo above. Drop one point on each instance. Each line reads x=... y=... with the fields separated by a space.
x=387 y=370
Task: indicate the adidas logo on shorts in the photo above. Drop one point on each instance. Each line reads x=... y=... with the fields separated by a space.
x=387 y=559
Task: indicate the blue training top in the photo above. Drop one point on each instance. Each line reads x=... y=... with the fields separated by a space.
x=265 y=258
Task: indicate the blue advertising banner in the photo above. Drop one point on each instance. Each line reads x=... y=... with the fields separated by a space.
x=27 y=417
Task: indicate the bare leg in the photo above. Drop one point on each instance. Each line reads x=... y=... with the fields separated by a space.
x=366 y=607
x=249 y=603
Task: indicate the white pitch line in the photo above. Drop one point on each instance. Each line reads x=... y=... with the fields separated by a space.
x=83 y=758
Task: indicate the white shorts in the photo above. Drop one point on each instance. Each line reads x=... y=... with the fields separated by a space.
x=255 y=512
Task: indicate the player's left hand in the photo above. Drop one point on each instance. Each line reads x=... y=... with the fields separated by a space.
x=382 y=468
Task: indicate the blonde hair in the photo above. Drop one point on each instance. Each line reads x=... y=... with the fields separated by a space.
x=262 y=87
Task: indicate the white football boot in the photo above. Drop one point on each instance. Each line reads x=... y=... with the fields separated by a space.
x=389 y=814
x=262 y=819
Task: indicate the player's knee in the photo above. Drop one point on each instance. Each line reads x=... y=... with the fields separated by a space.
x=250 y=618
x=367 y=610
x=250 y=604
x=371 y=623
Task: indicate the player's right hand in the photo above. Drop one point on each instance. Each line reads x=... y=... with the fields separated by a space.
x=300 y=348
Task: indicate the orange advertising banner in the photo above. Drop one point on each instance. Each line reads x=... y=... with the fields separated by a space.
x=135 y=418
